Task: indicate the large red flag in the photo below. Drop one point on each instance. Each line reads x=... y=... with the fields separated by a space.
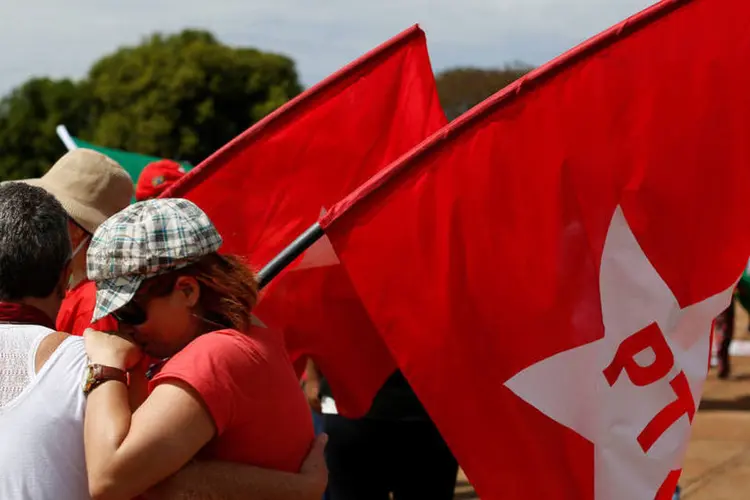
x=546 y=269
x=270 y=183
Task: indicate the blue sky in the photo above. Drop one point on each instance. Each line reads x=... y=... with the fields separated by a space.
x=63 y=37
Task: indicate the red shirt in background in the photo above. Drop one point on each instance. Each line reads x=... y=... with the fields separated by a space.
x=250 y=389
x=78 y=308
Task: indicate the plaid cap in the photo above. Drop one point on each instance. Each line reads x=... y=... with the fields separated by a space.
x=146 y=239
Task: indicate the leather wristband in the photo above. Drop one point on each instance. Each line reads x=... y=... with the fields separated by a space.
x=97 y=374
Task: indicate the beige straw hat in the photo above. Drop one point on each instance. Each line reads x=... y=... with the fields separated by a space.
x=90 y=186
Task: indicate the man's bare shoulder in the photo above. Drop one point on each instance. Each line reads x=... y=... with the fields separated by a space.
x=47 y=346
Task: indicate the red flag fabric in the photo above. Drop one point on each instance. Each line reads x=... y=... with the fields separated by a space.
x=272 y=182
x=547 y=267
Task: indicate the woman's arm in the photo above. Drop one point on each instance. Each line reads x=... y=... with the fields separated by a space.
x=126 y=454
x=232 y=481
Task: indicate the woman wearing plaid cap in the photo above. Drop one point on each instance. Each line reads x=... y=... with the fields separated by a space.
x=228 y=391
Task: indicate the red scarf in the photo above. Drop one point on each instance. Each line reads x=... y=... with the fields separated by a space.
x=23 y=314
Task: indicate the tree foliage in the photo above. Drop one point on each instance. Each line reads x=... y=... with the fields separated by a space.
x=461 y=89
x=180 y=96
x=185 y=96
x=28 y=117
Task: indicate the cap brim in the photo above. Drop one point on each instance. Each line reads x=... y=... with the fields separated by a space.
x=114 y=293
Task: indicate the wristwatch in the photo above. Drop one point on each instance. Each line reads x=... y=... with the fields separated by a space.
x=96 y=374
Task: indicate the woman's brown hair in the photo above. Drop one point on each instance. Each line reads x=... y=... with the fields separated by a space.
x=229 y=290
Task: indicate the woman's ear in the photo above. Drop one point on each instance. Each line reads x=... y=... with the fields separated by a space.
x=189 y=289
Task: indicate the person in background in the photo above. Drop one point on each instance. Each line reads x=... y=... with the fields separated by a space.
x=227 y=391
x=91 y=187
x=393 y=450
x=316 y=389
x=156 y=177
x=725 y=328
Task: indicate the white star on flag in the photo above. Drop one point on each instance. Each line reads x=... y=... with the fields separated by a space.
x=615 y=406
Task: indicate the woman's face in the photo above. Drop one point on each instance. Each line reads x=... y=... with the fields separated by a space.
x=170 y=322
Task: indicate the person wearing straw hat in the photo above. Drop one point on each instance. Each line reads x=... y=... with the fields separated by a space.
x=227 y=389
x=91 y=187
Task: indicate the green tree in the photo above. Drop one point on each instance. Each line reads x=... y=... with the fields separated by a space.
x=184 y=96
x=28 y=116
x=179 y=96
x=460 y=89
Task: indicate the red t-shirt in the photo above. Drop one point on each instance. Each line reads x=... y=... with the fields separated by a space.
x=78 y=308
x=250 y=389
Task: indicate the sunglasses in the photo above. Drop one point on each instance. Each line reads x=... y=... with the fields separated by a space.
x=132 y=314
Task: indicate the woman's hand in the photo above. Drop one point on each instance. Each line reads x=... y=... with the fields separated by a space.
x=115 y=350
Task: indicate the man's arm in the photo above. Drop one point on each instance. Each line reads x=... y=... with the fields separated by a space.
x=233 y=481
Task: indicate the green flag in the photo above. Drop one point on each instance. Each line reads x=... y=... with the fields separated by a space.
x=132 y=162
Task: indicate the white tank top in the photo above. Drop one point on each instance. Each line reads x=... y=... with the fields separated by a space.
x=41 y=417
